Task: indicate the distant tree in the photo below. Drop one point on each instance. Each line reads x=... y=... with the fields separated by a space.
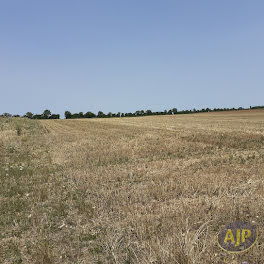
x=148 y=112
x=67 y=114
x=174 y=111
x=29 y=115
x=122 y=115
x=109 y=114
x=46 y=114
x=81 y=115
x=54 y=116
x=100 y=114
x=257 y=107
x=170 y=112
x=37 y=117
x=89 y=115
x=75 y=115
x=16 y=115
x=6 y=115
x=118 y=114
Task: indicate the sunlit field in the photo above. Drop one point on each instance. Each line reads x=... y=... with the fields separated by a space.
x=130 y=190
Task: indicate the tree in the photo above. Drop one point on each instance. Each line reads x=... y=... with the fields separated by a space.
x=100 y=114
x=109 y=114
x=54 y=116
x=75 y=115
x=7 y=115
x=29 y=115
x=37 y=117
x=46 y=114
x=89 y=115
x=148 y=112
x=81 y=115
x=67 y=114
x=174 y=111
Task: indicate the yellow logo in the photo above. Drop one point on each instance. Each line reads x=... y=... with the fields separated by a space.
x=237 y=237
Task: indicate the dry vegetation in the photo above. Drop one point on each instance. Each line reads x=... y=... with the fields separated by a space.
x=130 y=190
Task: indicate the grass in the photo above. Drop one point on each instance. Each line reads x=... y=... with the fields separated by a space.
x=130 y=190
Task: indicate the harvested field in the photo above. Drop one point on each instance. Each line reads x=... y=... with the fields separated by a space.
x=130 y=190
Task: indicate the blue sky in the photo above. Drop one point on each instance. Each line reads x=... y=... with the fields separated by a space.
x=127 y=55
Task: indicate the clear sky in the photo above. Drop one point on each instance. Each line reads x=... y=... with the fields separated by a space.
x=128 y=55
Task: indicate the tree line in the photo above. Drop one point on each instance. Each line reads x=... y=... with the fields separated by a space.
x=174 y=111
x=45 y=115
